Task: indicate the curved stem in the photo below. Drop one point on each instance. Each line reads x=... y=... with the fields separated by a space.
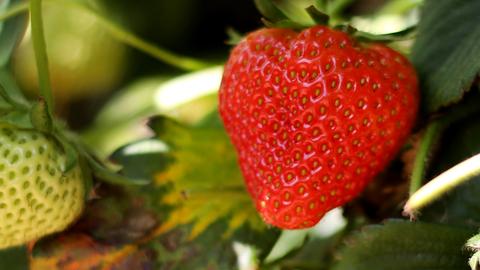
x=40 y=49
x=419 y=164
x=443 y=183
x=182 y=62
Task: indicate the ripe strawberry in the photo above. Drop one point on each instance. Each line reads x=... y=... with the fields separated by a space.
x=314 y=116
x=36 y=197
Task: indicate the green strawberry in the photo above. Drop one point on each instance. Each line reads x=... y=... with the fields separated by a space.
x=36 y=197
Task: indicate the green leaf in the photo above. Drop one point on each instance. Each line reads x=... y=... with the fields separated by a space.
x=285 y=13
x=317 y=16
x=17 y=118
x=387 y=37
x=401 y=245
x=11 y=88
x=200 y=172
x=176 y=251
x=269 y=10
x=10 y=31
x=14 y=258
x=105 y=173
x=446 y=53
x=70 y=152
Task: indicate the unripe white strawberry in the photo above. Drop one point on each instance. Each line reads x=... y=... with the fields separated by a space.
x=36 y=197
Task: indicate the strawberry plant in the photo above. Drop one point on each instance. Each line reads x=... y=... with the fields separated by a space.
x=330 y=135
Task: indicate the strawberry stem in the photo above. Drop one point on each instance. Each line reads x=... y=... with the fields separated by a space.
x=443 y=183
x=429 y=138
x=40 y=49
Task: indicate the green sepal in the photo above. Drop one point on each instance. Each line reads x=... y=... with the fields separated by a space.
x=317 y=16
x=102 y=173
x=167 y=129
x=407 y=33
x=269 y=10
x=402 y=245
x=11 y=88
x=234 y=37
x=283 y=24
x=16 y=118
x=7 y=100
x=404 y=34
x=69 y=150
x=295 y=11
x=40 y=117
x=87 y=177
x=346 y=28
x=284 y=14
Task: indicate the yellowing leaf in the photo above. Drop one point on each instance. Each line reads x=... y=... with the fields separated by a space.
x=204 y=180
x=79 y=251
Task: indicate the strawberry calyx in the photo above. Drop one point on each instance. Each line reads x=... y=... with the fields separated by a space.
x=288 y=14
x=280 y=15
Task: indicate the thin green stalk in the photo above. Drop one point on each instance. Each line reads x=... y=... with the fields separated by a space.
x=182 y=62
x=14 y=11
x=40 y=49
x=443 y=183
x=429 y=138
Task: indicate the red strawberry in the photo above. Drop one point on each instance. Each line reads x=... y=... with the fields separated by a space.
x=314 y=116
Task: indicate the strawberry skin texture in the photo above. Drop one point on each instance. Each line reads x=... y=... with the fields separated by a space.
x=37 y=197
x=314 y=116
